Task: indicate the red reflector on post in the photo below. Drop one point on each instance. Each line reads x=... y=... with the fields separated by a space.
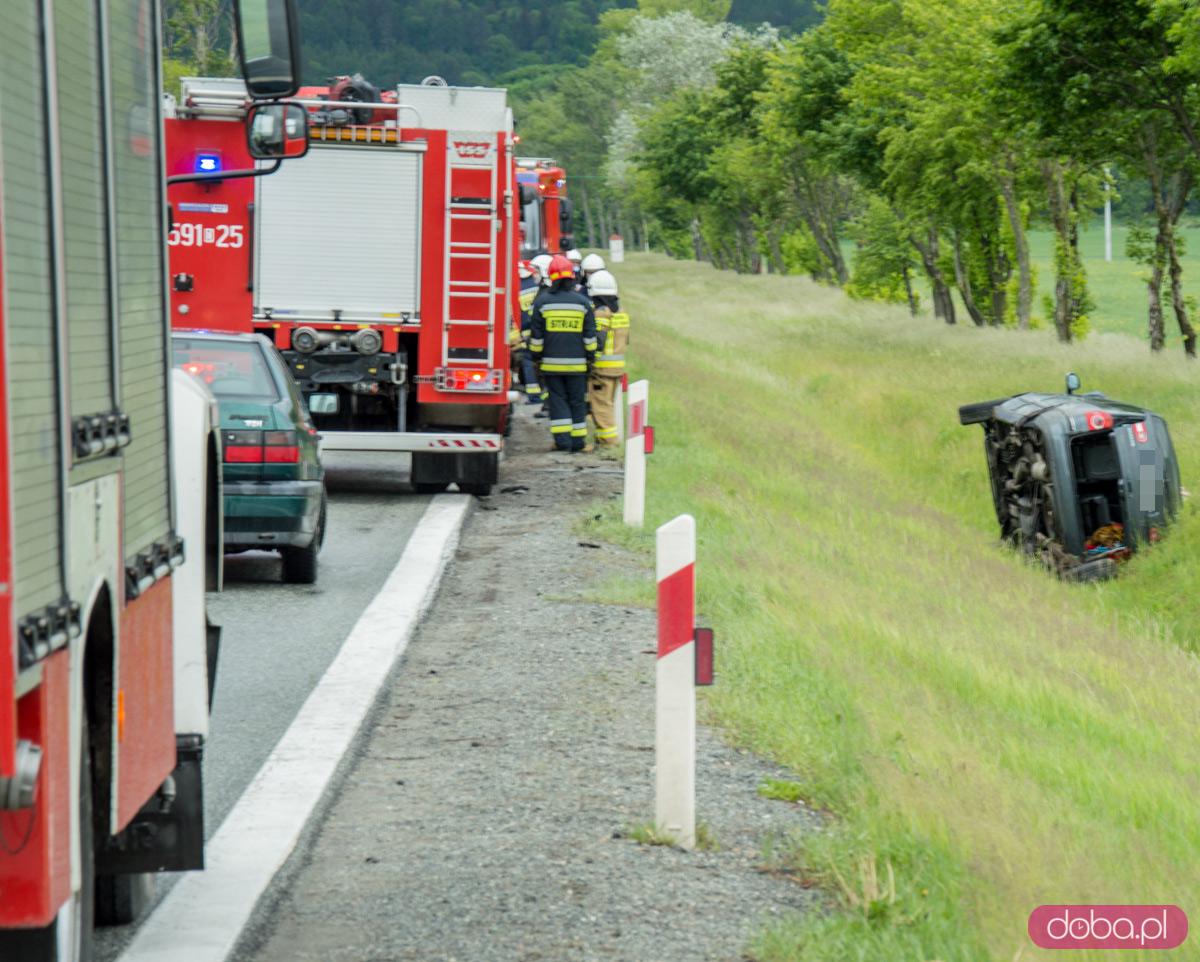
x=649 y=432
x=704 y=656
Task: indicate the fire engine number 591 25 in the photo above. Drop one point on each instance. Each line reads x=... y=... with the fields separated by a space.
x=198 y=235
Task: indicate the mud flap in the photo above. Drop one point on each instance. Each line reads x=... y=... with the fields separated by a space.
x=167 y=835
x=449 y=468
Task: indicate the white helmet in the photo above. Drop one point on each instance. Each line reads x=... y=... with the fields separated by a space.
x=574 y=256
x=593 y=262
x=541 y=262
x=602 y=283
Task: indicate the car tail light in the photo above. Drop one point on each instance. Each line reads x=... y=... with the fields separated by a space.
x=472 y=379
x=261 y=447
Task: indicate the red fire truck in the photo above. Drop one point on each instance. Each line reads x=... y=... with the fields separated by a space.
x=546 y=211
x=109 y=497
x=382 y=265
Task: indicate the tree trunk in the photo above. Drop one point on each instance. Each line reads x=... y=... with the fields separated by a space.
x=908 y=291
x=776 y=251
x=1021 y=245
x=943 y=301
x=1068 y=279
x=963 y=278
x=589 y=219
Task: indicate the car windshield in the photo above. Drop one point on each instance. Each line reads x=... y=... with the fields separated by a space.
x=229 y=368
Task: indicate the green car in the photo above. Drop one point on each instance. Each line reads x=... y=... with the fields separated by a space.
x=274 y=482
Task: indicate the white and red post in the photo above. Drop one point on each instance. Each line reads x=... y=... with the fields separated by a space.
x=635 y=454
x=675 y=677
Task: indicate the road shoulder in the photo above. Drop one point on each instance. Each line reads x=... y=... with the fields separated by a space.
x=487 y=814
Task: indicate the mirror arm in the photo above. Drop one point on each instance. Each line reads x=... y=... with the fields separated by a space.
x=225 y=175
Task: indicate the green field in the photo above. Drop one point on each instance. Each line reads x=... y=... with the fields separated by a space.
x=986 y=737
x=1118 y=287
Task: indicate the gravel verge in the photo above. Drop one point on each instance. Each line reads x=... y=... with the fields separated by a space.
x=486 y=814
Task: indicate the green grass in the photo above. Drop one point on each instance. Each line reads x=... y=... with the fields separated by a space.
x=1117 y=287
x=647 y=833
x=988 y=738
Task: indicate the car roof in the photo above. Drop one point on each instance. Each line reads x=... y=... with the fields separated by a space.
x=208 y=335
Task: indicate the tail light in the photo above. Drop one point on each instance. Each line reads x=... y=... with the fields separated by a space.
x=261 y=447
x=483 y=380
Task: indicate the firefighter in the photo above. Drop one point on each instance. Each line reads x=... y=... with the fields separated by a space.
x=612 y=329
x=563 y=341
x=519 y=337
x=576 y=259
x=590 y=264
x=541 y=263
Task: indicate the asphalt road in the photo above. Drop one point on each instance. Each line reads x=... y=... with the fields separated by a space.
x=278 y=639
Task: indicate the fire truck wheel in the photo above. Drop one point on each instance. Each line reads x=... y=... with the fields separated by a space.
x=430 y=487
x=69 y=937
x=300 y=564
x=121 y=899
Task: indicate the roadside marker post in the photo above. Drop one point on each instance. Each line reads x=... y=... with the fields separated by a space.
x=675 y=682
x=635 y=454
x=619 y=407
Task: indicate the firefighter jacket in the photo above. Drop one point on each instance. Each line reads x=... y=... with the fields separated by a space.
x=562 y=331
x=612 y=330
x=529 y=291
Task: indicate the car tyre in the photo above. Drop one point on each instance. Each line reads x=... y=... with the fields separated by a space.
x=121 y=899
x=300 y=564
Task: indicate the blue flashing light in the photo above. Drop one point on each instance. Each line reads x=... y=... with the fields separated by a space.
x=208 y=163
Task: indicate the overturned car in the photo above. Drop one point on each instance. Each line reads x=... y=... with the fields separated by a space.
x=1078 y=480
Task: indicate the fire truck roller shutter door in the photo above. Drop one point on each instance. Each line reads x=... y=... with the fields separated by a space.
x=80 y=110
x=29 y=321
x=363 y=202
x=141 y=297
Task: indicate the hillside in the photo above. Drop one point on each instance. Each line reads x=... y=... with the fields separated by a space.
x=473 y=41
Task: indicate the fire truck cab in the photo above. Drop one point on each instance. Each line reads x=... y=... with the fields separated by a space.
x=547 y=215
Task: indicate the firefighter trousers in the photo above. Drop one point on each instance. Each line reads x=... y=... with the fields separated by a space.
x=602 y=399
x=534 y=392
x=568 y=409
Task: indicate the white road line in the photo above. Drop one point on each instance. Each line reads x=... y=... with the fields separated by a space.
x=202 y=917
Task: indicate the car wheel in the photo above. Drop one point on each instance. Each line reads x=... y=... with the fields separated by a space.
x=430 y=487
x=300 y=564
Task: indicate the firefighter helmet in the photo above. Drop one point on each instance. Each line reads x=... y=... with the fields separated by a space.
x=602 y=283
x=593 y=262
x=560 y=268
x=541 y=263
x=574 y=256
x=525 y=269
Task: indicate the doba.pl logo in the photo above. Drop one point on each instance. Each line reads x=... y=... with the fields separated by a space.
x=1108 y=926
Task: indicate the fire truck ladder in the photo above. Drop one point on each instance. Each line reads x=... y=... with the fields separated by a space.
x=464 y=297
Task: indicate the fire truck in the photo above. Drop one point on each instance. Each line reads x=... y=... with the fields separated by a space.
x=546 y=211
x=109 y=472
x=382 y=265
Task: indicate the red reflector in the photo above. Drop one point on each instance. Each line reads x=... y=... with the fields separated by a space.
x=242 y=454
x=282 y=455
x=1140 y=434
x=1098 y=420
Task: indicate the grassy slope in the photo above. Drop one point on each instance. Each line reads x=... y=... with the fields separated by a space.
x=995 y=738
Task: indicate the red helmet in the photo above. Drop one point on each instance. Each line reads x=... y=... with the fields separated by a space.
x=561 y=267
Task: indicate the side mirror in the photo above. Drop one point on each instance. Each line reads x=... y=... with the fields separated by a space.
x=269 y=47
x=323 y=404
x=1072 y=383
x=277 y=131
x=528 y=194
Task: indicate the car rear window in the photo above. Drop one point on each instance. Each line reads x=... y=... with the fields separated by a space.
x=229 y=368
